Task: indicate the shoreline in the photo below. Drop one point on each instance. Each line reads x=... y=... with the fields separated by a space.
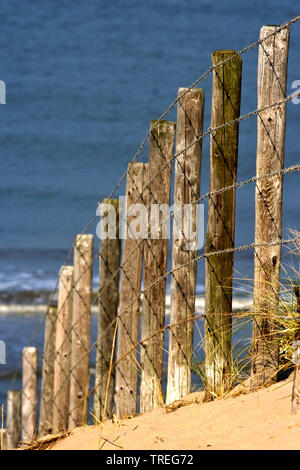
x=238 y=305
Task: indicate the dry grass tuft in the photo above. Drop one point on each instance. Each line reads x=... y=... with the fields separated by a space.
x=44 y=443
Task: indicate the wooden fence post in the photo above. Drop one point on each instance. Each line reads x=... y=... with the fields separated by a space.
x=3 y=439
x=190 y=111
x=46 y=402
x=29 y=393
x=62 y=357
x=130 y=288
x=13 y=419
x=226 y=96
x=109 y=258
x=81 y=322
x=155 y=262
x=271 y=123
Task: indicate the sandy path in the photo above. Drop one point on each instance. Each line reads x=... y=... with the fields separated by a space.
x=259 y=420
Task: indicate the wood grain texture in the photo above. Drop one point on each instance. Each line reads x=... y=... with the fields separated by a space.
x=109 y=258
x=226 y=95
x=271 y=124
x=63 y=349
x=190 y=110
x=13 y=419
x=129 y=307
x=81 y=323
x=46 y=402
x=155 y=263
x=29 y=393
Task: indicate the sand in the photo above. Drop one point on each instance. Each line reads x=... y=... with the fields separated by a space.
x=257 y=420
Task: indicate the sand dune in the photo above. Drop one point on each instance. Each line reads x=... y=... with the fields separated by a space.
x=242 y=420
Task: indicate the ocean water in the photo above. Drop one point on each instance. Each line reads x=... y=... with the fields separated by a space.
x=84 y=80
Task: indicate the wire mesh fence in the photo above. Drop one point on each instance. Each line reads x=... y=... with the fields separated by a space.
x=156 y=338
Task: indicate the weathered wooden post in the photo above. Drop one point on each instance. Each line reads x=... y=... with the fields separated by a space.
x=13 y=419
x=109 y=257
x=130 y=289
x=190 y=110
x=46 y=401
x=2 y=431
x=226 y=96
x=3 y=434
x=3 y=439
x=271 y=123
x=62 y=357
x=29 y=393
x=82 y=290
x=155 y=261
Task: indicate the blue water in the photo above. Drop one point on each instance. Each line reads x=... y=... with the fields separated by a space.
x=84 y=80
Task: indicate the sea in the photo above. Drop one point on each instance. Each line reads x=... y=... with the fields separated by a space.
x=83 y=81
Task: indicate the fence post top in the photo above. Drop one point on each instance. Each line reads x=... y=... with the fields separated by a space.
x=29 y=350
x=51 y=309
x=266 y=30
x=83 y=238
x=66 y=270
x=197 y=91
x=229 y=52
x=113 y=202
x=157 y=123
x=135 y=166
x=222 y=57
